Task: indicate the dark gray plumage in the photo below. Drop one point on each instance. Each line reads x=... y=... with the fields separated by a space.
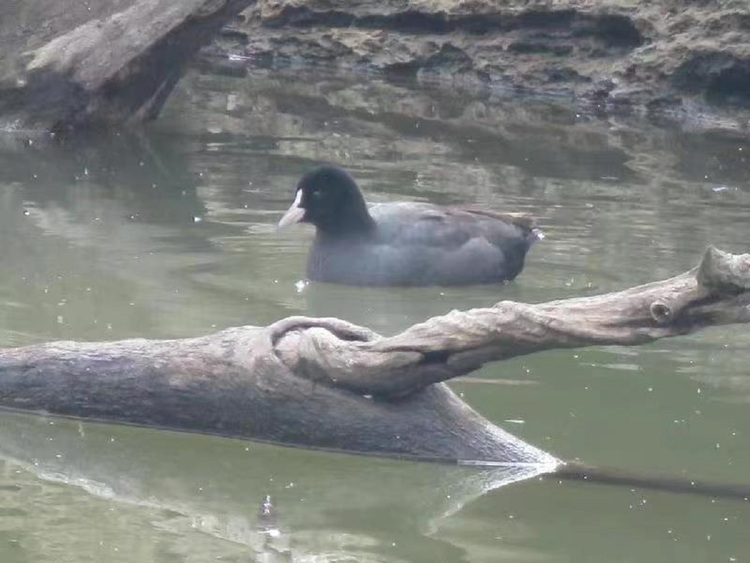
x=404 y=243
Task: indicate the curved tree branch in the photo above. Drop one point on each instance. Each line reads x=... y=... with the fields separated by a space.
x=717 y=292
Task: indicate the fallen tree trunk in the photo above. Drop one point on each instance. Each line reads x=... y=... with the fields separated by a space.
x=68 y=64
x=325 y=383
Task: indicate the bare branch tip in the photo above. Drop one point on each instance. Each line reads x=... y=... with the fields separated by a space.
x=724 y=272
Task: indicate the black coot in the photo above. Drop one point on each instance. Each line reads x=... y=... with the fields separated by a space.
x=404 y=243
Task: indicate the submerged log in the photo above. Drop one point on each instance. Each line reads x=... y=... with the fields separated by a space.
x=68 y=64
x=326 y=383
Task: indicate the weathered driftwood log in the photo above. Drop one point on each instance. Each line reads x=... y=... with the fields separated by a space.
x=717 y=292
x=326 y=383
x=73 y=63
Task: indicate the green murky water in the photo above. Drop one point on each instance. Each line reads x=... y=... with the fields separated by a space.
x=171 y=233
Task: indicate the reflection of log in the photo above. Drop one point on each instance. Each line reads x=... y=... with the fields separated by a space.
x=327 y=383
x=113 y=62
x=161 y=469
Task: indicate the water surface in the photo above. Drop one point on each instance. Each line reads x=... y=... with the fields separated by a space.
x=170 y=232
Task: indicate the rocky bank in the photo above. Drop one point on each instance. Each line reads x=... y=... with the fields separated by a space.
x=73 y=63
x=679 y=56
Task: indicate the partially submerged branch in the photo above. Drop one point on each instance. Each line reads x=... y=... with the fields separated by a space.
x=326 y=383
x=103 y=62
x=716 y=293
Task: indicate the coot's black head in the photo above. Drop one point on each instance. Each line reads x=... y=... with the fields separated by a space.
x=329 y=198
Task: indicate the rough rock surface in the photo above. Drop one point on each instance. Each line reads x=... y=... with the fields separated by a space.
x=660 y=55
